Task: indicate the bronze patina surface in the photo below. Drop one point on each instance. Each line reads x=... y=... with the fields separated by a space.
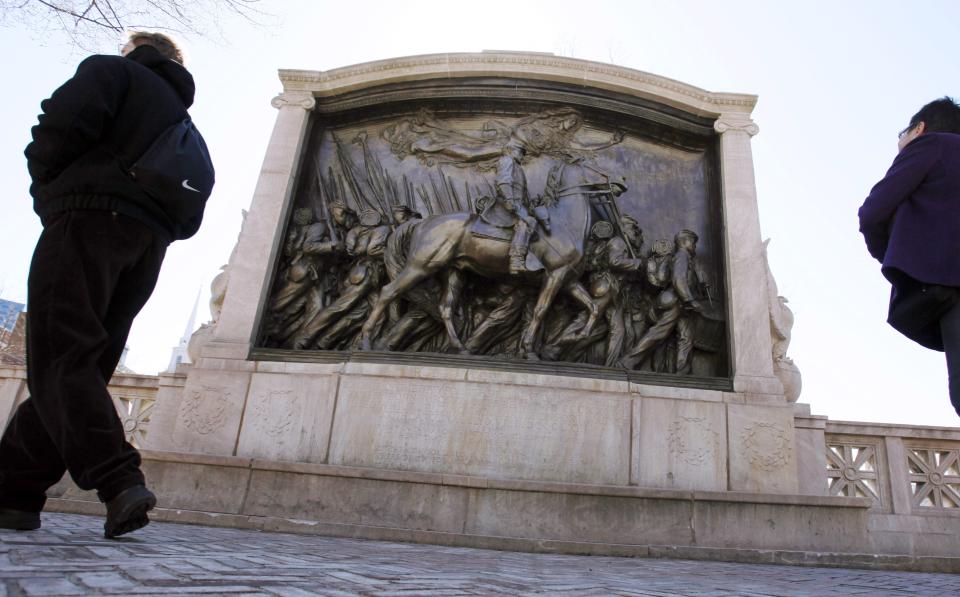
x=510 y=221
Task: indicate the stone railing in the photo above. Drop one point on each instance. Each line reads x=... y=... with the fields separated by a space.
x=905 y=470
x=133 y=395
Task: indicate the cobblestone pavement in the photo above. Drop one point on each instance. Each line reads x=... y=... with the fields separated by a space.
x=69 y=556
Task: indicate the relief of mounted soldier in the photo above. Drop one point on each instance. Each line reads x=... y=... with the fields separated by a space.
x=499 y=269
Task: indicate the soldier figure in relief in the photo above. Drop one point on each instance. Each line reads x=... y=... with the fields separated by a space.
x=504 y=148
x=365 y=243
x=610 y=260
x=680 y=277
x=304 y=291
x=511 y=187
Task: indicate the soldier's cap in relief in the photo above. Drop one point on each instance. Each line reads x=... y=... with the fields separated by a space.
x=630 y=220
x=662 y=246
x=370 y=217
x=687 y=234
x=602 y=230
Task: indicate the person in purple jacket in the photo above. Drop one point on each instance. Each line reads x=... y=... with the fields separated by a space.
x=911 y=223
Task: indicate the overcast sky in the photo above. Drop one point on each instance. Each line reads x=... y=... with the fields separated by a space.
x=836 y=82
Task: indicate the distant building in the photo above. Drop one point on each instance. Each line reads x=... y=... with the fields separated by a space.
x=9 y=311
x=179 y=353
x=13 y=343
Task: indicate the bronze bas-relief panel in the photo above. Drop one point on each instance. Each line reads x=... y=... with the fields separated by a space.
x=512 y=231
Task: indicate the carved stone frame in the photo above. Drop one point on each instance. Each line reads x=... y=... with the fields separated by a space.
x=304 y=91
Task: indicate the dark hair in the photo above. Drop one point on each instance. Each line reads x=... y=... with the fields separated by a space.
x=163 y=43
x=939 y=116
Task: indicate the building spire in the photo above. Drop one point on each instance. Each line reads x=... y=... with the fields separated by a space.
x=179 y=353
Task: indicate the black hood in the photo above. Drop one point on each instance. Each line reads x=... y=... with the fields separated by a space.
x=171 y=71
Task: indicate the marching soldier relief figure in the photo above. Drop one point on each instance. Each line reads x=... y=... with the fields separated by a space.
x=677 y=301
x=522 y=249
x=609 y=261
x=305 y=290
x=365 y=244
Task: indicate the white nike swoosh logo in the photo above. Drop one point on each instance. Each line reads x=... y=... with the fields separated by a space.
x=188 y=187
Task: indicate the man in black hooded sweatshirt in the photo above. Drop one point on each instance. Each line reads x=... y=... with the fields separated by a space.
x=95 y=265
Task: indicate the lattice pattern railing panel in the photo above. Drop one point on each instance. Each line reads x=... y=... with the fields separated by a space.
x=934 y=477
x=134 y=412
x=852 y=470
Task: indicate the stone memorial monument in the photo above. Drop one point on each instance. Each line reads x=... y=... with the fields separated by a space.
x=518 y=301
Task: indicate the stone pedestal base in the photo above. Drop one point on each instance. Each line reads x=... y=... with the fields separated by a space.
x=483 y=423
x=492 y=513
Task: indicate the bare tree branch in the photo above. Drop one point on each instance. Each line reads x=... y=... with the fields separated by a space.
x=94 y=24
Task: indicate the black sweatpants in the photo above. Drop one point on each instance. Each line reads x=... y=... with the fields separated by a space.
x=950 y=331
x=92 y=272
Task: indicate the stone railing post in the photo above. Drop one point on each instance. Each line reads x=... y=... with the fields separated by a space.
x=13 y=391
x=249 y=271
x=751 y=356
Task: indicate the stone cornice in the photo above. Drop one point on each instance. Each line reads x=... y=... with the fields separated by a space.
x=536 y=66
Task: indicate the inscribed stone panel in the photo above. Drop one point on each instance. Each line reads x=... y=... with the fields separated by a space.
x=761 y=443
x=682 y=445
x=482 y=429
x=208 y=419
x=288 y=417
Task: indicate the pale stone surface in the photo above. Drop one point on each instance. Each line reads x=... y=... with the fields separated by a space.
x=762 y=449
x=764 y=526
x=288 y=417
x=587 y=384
x=299 y=368
x=357 y=501
x=568 y=517
x=470 y=428
x=250 y=271
x=651 y=391
x=899 y=475
x=164 y=417
x=528 y=65
x=191 y=486
x=811 y=460
x=208 y=419
x=13 y=391
x=746 y=272
x=891 y=430
x=934 y=535
x=404 y=371
x=682 y=445
x=375 y=503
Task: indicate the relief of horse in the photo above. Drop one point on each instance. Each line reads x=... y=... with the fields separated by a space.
x=452 y=244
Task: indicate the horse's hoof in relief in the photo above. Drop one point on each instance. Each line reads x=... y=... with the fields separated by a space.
x=531 y=356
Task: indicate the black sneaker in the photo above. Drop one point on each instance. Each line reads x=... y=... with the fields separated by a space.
x=128 y=511
x=19 y=520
